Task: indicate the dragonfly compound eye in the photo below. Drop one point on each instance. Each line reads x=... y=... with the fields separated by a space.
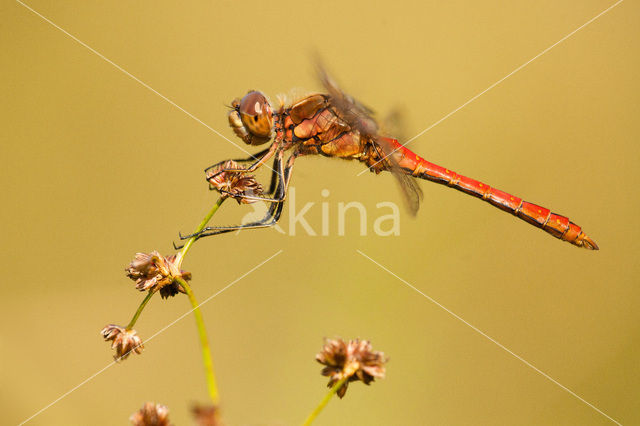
x=255 y=117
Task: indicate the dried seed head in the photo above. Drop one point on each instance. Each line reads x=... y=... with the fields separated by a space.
x=206 y=415
x=124 y=341
x=152 y=271
x=151 y=414
x=234 y=184
x=174 y=288
x=355 y=360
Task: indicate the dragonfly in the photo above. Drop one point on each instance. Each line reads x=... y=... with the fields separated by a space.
x=334 y=124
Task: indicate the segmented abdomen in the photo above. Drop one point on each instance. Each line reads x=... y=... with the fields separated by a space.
x=557 y=225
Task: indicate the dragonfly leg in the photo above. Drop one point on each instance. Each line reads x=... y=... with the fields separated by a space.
x=258 y=160
x=270 y=219
x=275 y=210
x=252 y=157
x=251 y=198
x=276 y=176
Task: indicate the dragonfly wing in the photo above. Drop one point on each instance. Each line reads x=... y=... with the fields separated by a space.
x=394 y=123
x=360 y=117
x=357 y=115
x=412 y=194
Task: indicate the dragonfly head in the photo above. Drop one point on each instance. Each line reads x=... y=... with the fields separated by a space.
x=251 y=118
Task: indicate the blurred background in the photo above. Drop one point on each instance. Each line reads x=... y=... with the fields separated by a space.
x=97 y=167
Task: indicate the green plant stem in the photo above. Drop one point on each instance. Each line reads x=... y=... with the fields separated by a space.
x=179 y=259
x=325 y=401
x=140 y=308
x=204 y=343
x=207 y=360
x=200 y=227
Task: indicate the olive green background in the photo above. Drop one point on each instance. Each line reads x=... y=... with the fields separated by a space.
x=96 y=167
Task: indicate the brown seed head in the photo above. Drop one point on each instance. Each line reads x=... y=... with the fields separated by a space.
x=151 y=414
x=124 y=341
x=355 y=360
x=206 y=415
x=233 y=184
x=152 y=271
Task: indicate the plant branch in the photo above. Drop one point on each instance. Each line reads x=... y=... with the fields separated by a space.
x=204 y=342
x=200 y=227
x=140 y=308
x=325 y=400
x=207 y=360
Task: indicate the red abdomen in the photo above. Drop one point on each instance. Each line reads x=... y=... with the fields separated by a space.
x=557 y=225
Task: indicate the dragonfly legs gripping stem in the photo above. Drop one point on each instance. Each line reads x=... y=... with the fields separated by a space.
x=258 y=160
x=280 y=179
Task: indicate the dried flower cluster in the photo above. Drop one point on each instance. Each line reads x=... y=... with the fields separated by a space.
x=355 y=360
x=234 y=184
x=124 y=341
x=206 y=415
x=152 y=271
x=151 y=414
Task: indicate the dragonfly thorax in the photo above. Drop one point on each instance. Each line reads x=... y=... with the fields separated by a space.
x=251 y=118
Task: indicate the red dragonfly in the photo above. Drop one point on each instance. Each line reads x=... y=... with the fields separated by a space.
x=336 y=125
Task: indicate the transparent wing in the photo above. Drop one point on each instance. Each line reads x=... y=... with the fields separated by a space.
x=393 y=124
x=409 y=188
x=360 y=117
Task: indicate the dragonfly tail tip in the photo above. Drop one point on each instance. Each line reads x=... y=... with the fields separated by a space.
x=586 y=242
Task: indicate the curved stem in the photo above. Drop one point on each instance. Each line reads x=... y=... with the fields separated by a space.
x=200 y=227
x=140 y=308
x=179 y=259
x=325 y=400
x=202 y=332
x=204 y=342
